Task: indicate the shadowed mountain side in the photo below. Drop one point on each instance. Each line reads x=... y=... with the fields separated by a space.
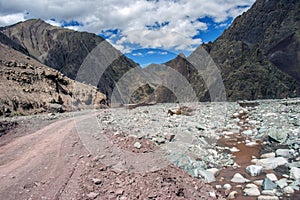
x=258 y=54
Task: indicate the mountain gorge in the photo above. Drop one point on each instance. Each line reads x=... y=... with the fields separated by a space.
x=257 y=57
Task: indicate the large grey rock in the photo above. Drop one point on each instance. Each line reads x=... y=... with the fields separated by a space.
x=283 y=153
x=279 y=135
x=254 y=170
x=272 y=163
x=268 y=184
x=295 y=173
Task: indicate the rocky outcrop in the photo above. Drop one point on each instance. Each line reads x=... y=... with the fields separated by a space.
x=259 y=53
x=29 y=87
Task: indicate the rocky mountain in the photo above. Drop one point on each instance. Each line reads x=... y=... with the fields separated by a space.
x=259 y=53
x=258 y=57
x=30 y=87
x=66 y=50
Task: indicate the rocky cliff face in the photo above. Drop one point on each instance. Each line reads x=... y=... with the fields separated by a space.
x=259 y=53
x=65 y=50
x=29 y=87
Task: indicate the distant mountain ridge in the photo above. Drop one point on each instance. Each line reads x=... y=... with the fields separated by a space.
x=65 y=50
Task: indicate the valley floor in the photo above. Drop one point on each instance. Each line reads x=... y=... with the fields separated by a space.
x=199 y=152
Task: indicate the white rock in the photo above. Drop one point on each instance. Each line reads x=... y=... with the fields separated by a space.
x=269 y=192
x=272 y=163
x=272 y=177
x=264 y=197
x=254 y=170
x=213 y=194
x=238 y=178
x=234 y=149
x=92 y=195
x=227 y=186
x=288 y=190
x=137 y=145
x=251 y=144
x=214 y=171
x=295 y=173
x=258 y=182
x=235 y=115
x=251 y=185
x=252 y=191
x=97 y=181
x=218 y=187
x=268 y=155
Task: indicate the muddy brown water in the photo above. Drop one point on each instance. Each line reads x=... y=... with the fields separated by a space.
x=243 y=159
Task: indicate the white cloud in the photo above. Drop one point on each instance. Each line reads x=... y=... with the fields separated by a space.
x=180 y=18
x=151 y=52
x=137 y=54
x=11 y=18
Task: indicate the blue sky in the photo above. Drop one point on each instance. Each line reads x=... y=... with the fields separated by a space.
x=135 y=26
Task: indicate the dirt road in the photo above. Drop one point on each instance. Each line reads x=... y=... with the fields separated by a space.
x=51 y=163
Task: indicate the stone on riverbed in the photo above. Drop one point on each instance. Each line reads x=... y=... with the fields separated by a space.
x=272 y=163
x=254 y=170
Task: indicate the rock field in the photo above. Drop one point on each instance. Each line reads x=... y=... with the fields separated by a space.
x=244 y=149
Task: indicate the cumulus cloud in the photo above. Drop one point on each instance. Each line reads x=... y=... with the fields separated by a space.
x=176 y=22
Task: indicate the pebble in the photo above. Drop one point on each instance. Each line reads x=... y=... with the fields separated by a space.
x=96 y=181
x=227 y=186
x=92 y=195
x=251 y=144
x=255 y=170
x=137 y=145
x=268 y=155
x=238 y=178
x=252 y=192
x=234 y=149
x=119 y=191
x=218 y=187
x=212 y=194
